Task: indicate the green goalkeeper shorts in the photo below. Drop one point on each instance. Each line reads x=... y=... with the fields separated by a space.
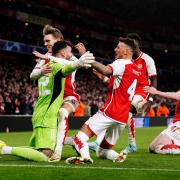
x=43 y=138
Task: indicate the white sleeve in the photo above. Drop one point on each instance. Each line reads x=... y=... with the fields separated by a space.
x=150 y=64
x=58 y=60
x=118 y=67
x=74 y=58
x=36 y=72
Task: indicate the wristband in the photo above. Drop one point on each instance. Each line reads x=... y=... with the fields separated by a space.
x=105 y=80
x=150 y=99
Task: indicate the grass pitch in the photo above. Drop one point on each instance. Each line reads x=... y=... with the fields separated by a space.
x=140 y=165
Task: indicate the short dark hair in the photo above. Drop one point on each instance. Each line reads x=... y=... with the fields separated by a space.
x=69 y=43
x=134 y=36
x=59 y=45
x=130 y=42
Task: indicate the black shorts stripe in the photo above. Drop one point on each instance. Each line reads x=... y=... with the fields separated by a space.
x=57 y=86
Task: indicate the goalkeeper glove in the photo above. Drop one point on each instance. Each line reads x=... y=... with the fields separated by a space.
x=85 y=60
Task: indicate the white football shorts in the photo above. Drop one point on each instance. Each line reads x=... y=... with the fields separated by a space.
x=173 y=132
x=100 y=123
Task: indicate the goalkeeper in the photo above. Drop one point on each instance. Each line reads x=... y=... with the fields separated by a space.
x=51 y=89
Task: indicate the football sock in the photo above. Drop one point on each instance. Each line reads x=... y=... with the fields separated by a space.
x=62 y=130
x=167 y=149
x=100 y=137
x=26 y=153
x=81 y=145
x=69 y=141
x=131 y=129
x=107 y=153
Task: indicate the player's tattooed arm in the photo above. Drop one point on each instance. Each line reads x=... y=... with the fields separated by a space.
x=101 y=76
x=105 y=70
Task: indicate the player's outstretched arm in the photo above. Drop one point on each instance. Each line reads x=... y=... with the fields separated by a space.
x=171 y=95
x=51 y=58
x=39 y=55
x=84 y=60
x=101 y=76
x=105 y=70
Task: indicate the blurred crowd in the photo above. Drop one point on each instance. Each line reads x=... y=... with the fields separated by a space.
x=18 y=94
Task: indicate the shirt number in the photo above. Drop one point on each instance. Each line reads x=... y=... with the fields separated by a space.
x=43 y=86
x=131 y=89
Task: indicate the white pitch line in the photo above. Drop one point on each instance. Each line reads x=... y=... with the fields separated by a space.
x=88 y=167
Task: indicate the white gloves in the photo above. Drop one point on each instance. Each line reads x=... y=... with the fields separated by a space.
x=85 y=60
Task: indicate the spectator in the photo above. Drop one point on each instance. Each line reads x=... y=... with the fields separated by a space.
x=94 y=108
x=17 y=105
x=27 y=106
x=16 y=90
x=162 y=110
x=8 y=105
x=80 y=111
x=151 y=113
x=2 y=111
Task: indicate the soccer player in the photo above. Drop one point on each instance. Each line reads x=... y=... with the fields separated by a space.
x=168 y=141
x=113 y=115
x=51 y=91
x=141 y=102
x=71 y=98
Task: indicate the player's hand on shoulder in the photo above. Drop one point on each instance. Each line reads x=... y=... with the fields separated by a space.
x=46 y=69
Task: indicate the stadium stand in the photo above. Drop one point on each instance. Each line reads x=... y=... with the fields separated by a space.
x=98 y=29
x=18 y=94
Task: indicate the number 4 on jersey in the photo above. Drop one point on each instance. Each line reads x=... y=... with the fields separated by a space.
x=131 y=89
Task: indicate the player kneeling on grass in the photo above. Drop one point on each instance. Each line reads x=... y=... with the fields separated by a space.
x=51 y=89
x=168 y=141
x=141 y=102
x=113 y=115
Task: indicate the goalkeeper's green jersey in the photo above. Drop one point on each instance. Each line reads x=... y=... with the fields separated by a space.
x=51 y=91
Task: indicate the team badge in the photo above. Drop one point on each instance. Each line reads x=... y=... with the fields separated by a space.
x=139 y=66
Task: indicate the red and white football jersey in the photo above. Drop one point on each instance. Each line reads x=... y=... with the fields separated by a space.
x=121 y=89
x=146 y=66
x=177 y=112
x=69 y=89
